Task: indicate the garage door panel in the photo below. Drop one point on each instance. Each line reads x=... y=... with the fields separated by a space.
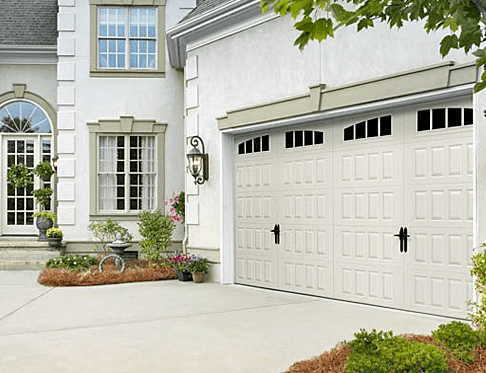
x=256 y=270
x=446 y=160
x=364 y=283
x=306 y=276
x=355 y=166
x=363 y=204
x=378 y=246
x=440 y=293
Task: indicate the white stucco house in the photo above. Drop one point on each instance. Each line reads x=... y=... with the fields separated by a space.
x=351 y=170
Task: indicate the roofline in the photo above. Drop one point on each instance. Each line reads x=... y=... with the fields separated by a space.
x=226 y=14
x=28 y=54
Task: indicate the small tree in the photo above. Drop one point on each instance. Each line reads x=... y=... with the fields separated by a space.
x=156 y=230
x=106 y=231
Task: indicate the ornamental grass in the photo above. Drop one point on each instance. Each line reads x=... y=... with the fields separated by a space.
x=135 y=271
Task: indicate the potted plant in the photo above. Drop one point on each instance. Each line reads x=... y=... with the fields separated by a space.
x=181 y=264
x=198 y=267
x=54 y=236
x=45 y=218
x=44 y=221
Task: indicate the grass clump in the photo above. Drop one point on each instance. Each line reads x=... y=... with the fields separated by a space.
x=383 y=352
x=73 y=262
x=460 y=339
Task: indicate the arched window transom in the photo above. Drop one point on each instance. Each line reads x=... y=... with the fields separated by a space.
x=23 y=117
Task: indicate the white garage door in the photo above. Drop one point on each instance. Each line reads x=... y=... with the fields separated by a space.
x=374 y=209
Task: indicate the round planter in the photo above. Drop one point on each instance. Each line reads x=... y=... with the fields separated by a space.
x=198 y=276
x=43 y=225
x=55 y=242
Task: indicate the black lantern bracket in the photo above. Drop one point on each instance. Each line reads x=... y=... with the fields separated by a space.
x=198 y=160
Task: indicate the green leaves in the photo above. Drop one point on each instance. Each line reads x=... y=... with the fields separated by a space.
x=318 y=19
x=156 y=230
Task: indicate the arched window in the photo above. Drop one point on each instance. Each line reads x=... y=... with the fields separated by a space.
x=23 y=117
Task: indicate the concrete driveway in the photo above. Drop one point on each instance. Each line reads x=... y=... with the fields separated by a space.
x=175 y=327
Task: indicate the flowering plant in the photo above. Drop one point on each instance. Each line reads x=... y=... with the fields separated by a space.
x=177 y=209
x=181 y=262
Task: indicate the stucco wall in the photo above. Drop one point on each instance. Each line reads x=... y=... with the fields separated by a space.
x=39 y=79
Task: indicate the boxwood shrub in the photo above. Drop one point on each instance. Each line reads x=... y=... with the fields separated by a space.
x=460 y=339
x=382 y=352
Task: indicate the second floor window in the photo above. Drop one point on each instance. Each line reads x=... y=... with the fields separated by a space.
x=127 y=38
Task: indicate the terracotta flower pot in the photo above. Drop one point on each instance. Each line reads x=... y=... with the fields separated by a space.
x=198 y=276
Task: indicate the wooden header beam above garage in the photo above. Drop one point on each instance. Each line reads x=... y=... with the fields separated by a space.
x=322 y=99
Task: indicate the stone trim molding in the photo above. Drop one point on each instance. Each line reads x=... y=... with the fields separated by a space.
x=322 y=99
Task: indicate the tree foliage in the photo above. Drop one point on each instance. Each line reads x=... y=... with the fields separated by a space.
x=464 y=20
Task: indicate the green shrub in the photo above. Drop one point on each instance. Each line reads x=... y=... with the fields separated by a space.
x=74 y=262
x=19 y=175
x=44 y=170
x=156 y=230
x=42 y=195
x=382 y=352
x=54 y=233
x=478 y=316
x=45 y=214
x=106 y=231
x=460 y=339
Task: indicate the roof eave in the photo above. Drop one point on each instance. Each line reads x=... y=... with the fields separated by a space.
x=28 y=54
x=197 y=27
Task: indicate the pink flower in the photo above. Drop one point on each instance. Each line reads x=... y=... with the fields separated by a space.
x=176 y=198
x=171 y=201
x=172 y=210
x=166 y=203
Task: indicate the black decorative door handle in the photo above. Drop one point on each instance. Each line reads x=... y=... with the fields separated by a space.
x=405 y=239
x=276 y=233
x=403 y=235
x=400 y=235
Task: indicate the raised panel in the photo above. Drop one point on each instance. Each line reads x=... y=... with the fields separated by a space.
x=455 y=160
x=420 y=163
x=438 y=161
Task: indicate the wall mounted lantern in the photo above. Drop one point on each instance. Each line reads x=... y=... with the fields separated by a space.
x=54 y=163
x=198 y=161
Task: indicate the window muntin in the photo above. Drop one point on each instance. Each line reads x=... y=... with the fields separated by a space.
x=23 y=117
x=127 y=38
x=440 y=118
x=126 y=173
x=374 y=127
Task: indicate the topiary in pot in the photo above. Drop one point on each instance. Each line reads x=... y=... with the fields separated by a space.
x=44 y=221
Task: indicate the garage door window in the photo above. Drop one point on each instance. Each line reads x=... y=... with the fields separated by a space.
x=375 y=127
x=254 y=145
x=296 y=139
x=440 y=118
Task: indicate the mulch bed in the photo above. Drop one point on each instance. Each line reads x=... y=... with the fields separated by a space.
x=334 y=361
x=135 y=271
